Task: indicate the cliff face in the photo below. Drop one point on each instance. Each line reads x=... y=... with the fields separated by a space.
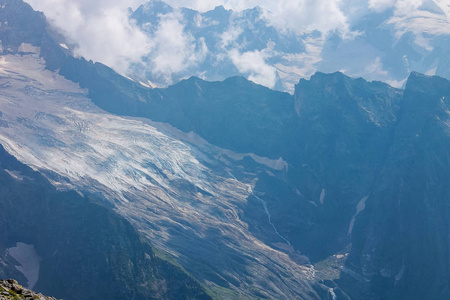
x=401 y=243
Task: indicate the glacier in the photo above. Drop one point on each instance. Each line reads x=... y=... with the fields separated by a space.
x=177 y=191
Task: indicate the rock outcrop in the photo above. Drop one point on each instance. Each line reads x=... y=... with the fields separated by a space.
x=11 y=290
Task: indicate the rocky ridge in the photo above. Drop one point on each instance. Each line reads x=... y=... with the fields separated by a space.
x=10 y=289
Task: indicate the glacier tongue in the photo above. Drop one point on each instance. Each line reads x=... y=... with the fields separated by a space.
x=169 y=189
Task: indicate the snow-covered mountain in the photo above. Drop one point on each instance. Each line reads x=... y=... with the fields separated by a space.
x=152 y=178
x=221 y=43
x=274 y=44
x=382 y=43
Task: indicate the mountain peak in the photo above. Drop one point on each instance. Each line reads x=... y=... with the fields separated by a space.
x=219 y=8
x=218 y=13
x=318 y=76
x=425 y=97
x=425 y=83
x=338 y=93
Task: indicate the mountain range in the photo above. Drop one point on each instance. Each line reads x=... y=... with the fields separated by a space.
x=379 y=44
x=217 y=189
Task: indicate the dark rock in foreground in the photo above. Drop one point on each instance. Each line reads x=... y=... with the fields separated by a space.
x=11 y=289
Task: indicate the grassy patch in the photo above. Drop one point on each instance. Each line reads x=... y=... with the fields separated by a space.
x=15 y=296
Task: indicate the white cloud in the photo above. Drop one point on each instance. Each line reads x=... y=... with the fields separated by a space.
x=407 y=6
x=230 y=36
x=300 y=65
x=307 y=15
x=401 y=6
x=420 y=17
x=375 y=69
x=294 y=15
x=103 y=32
x=175 y=49
x=415 y=16
x=254 y=64
x=101 y=29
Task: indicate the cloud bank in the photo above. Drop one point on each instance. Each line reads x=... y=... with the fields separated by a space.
x=295 y=15
x=103 y=31
x=174 y=50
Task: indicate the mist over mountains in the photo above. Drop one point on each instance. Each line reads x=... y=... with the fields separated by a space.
x=271 y=44
x=226 y=189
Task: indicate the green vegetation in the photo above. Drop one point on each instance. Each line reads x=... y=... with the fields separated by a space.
x=15 y=296
x=167 y=257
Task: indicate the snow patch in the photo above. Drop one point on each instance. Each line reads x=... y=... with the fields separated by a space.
x=270 y=173
x=144 y=84
x=194 y=139
x=400 y=273
x=359 y=208
x=15 y=174
x=332 y=294
x=29 y=262
x=322 y=196
x=152 y=85
x=148 y=84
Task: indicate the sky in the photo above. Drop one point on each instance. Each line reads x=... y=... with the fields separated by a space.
x=102 y=31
